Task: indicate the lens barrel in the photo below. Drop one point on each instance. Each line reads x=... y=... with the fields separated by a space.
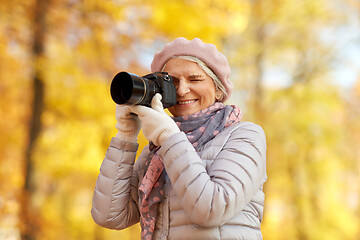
x=130 y=88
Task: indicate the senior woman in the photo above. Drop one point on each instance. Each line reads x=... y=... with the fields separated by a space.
x=202 y=175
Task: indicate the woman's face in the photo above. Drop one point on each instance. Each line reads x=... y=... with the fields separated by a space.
x=195 y=90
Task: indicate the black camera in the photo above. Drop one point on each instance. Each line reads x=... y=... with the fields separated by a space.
x=132 y=89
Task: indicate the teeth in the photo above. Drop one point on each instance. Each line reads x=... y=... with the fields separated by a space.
x=186 y=102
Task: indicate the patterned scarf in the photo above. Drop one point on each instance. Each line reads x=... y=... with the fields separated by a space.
x=199 y=128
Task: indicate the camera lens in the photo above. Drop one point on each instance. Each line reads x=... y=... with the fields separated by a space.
x=130 y=88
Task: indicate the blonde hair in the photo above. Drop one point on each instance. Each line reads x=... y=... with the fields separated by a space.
x=208 y=71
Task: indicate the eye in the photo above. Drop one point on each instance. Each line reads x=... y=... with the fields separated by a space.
x=175 y=81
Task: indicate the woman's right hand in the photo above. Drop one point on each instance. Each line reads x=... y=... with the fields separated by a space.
x=128 y=123
x=157 y=126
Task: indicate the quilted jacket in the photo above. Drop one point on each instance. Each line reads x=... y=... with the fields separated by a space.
x=215 y=193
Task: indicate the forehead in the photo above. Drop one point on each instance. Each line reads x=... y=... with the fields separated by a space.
x=178 y=66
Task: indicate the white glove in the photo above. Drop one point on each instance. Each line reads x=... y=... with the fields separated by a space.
x=128 y=123
x=156 y=124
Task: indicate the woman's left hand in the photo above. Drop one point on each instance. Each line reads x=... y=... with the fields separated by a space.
x=156 y=124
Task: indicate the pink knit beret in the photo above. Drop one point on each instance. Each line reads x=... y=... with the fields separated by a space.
x=208 y=53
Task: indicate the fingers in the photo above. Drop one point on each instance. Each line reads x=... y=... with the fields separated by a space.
x=122 y=111
x=139 y=110
x=156 y=103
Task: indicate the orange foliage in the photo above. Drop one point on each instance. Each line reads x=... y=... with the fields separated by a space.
x=312 y=128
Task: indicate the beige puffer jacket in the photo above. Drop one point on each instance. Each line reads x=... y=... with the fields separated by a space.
x=215 y=193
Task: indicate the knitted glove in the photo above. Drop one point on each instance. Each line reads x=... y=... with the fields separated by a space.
x=156 y=124
x=128 y=123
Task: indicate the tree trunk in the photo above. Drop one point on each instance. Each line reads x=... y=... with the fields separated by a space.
x=258 y=32
x=258 y=73
x=27 y=218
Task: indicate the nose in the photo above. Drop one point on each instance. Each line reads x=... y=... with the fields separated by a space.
x=182 y=88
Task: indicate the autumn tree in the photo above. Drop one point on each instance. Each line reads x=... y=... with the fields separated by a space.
x=306 y=118
x=352 y=137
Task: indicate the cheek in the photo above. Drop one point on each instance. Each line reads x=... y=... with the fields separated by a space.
x=208 y=97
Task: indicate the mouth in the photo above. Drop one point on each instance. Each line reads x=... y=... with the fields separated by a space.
x=186 y=102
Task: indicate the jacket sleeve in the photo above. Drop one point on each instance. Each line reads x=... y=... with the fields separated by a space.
x=236 y=174
x=115 y=195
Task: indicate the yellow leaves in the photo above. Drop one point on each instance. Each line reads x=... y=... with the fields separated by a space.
x=306 y=162
x=103 y=8
x=308 y=126
x=209 y=20
x=15 y=95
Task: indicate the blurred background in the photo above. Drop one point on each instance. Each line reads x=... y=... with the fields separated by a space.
x=296 y=71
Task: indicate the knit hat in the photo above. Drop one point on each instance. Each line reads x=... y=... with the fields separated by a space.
x=208 y=53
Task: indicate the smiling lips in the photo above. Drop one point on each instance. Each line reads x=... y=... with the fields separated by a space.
x=185 y=102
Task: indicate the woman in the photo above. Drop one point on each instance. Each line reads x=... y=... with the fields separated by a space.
x=202 y=175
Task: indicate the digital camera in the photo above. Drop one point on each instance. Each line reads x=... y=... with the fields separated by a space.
x=131 y=89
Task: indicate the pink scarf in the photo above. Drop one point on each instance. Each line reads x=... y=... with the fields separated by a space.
x=199 y=128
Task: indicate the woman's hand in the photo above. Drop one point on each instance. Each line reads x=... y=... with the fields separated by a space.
x=156 y=124
x=128 y=123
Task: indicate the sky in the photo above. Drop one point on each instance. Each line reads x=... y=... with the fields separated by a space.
x=346 y=71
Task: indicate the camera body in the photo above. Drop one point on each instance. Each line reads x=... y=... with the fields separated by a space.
x=129 y=88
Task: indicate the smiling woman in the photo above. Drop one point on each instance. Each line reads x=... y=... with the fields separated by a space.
x=203 y=173
x=194 y=88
